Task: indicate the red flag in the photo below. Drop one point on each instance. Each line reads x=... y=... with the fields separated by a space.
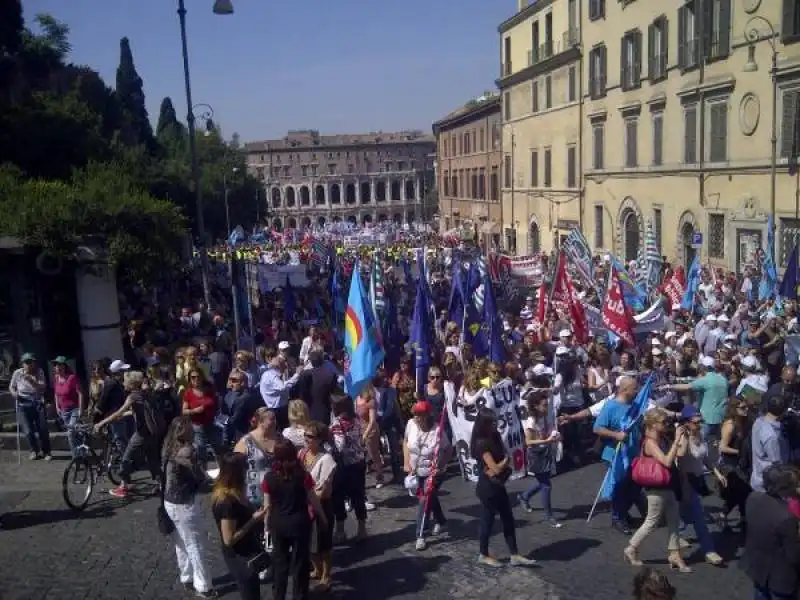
x=564 y=290
x=675 y=286
x=616 y=316
x=541 y=310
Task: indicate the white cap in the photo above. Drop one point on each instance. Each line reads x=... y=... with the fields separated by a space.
x=750 y=362
x=711 y=318
x=562 y=350
x=619 y=381
x=541 y=369
x=670 y=334
x=655 y=342
x=730 y=337
x=531 y=327
x=724 y=319
x=283 y=345
x=676 y=306
x=529 y=299
x=565 y=333
x=707 y=361
x=656 y=352
x=118 y=367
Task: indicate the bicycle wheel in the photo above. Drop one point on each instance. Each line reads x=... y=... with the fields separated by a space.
x=112 y=462
x=78 y=483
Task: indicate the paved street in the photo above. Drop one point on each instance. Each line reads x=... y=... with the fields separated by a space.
x=114 y=550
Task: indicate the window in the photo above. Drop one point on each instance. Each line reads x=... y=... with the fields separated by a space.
x=482 y=184
x=446 y=184
x=657 y=228
x=286 y=171
x=790 y=25
x=598 y=145
x=313 y=169
x=304 y=170
x=482 y=139
x=453 y=145
x=331 y=169
x=790 y=237
x=495 y=136
x=658 y=138
x=790 y=133
x=716 y=235
x=548 y=170
x=597 y=72
x=571 y=91
x=548 y=92
x=718 y=132
x=494 y=185
x=401 y=166
x=507 y=106
x=631 y=60
x=506 y=171
x=534 y=168
x=597 y=9
x=387 y=167
x=535 y=96
x=657 y=56
x=717 y=24
x=571 y=167
x=690 y=134
x=688 y=36
x=351 y=168
x=454 y=185
x=598 y=226
x=631 y=134
x=473 y=181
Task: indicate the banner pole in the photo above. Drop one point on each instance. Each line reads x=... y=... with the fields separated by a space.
x=603 y=484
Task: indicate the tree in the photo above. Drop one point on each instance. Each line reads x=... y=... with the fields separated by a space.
x=168 y=124
x=130 y=93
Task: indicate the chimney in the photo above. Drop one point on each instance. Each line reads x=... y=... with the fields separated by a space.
x=521 y=4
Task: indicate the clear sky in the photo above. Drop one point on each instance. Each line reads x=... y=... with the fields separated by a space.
x=340 y=66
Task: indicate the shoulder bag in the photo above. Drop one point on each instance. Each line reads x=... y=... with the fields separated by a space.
x=648 y=472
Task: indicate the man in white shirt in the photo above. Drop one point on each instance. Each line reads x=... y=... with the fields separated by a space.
x=275 y=389
x=308 y=341
x=27 y=386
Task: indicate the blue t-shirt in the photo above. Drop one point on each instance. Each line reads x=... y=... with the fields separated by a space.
x=611 y=417
x=713 y=388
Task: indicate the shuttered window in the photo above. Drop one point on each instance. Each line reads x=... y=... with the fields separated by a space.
x=631 y=138
x=718 y=132
x=690 y=135
x=790 y=133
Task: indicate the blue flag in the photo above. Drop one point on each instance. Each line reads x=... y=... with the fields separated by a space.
x=769 y=274
x=635 y=297
x=455 y=309
x=289 y=301
x=421 y=335
x=791 y=278
x=496 y=351
x=692 y=282
x=362 y=340
x=629 y=449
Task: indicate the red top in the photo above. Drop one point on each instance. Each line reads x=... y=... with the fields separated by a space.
x=794 y=507
x=66 y=391
x=207 y=401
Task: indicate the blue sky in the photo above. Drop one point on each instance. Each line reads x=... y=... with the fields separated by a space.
x=339 y=67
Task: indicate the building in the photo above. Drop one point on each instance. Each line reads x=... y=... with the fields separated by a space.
x=315 y=179
x=540 y=83
x=679 y=138
x=469 y=161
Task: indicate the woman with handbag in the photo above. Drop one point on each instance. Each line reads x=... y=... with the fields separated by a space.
x=653 y=470
x=291 y=504
x=240 y=526
x=541 y=437
x=182 y=479
x=487 y=449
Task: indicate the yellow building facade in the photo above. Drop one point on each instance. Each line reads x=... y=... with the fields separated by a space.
x=540 y=86
x=682 y=113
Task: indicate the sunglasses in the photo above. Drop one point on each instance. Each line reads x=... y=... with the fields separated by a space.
x=432 y=377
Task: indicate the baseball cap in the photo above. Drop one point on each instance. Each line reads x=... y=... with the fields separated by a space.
x=689 y=412
x=283 y=345
x=750 y=362
x=422 y=407
x=118 y=366
x=28 y=357
x=711 y=318
x=707 y=361
x=541 y=369
x=724 y=319
x=565 y=333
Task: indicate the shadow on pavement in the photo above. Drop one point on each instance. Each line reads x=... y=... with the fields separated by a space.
x=354 y=551
x=404 y=576
x=24 y=519
x=564 y=550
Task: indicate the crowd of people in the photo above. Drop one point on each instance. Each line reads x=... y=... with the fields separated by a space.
x=293 y=451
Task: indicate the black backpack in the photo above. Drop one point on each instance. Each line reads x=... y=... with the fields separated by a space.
x=154 y=420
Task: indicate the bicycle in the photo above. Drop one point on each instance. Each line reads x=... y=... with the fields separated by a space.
x=88 y=467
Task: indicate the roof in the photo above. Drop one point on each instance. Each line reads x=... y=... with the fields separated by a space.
x=530 y=10
x=310 y=138
x=471 y=110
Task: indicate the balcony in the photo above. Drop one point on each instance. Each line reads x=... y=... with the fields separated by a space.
x=505 y=69
x=570 y=38
x=533 y=57
x=542 y=52
x=546 y=50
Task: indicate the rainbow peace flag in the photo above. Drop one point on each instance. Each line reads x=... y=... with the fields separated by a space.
x=362 y=338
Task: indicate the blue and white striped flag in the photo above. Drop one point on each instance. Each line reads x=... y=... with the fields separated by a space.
x=479 y=294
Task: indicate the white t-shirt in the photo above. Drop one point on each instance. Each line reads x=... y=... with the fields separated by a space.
x=422 y=447
x=538 y=426
x=322 y=470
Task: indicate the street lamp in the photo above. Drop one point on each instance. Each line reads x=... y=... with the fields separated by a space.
x=753 y=36
x=205 y=114
x=223 y=7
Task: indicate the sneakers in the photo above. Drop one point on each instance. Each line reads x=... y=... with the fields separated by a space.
x=489 y=561
x=212 y=593
x=33 y=456
x=119 y=492
x=48 y=457
x=421 y=544
x=524 y=502
x=369 y=506
x=517 y=560
x=553 y=523
x=438 y=529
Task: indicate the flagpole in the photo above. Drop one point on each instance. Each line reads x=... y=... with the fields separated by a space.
x=603 y=484
x=431 y=481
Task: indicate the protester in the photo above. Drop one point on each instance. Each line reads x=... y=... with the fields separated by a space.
x=27 y=386
x=68 y=398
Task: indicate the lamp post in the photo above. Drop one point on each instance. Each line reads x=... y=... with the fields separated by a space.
x=221 y=7
x=753 y=36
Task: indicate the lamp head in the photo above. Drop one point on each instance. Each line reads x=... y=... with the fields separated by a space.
x=223 y=7
x=751 y=65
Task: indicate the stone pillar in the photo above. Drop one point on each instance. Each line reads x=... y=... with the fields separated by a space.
x=388 y=190
x=417 y=188
x=403 y=190
x=98 y=311
x=372 y=188
x=357 y=185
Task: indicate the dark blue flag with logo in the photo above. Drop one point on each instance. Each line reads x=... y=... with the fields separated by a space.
x=493 y=325
x=791 y=278
x=421 y=335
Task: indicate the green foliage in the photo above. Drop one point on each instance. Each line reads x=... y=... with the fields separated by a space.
x=130 y=93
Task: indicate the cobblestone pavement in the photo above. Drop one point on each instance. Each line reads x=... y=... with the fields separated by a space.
x=113 y=549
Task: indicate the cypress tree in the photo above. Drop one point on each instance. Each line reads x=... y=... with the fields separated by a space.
x=168 y=123
x=130 y=93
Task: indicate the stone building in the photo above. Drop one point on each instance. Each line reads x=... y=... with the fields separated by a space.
x=313 y=179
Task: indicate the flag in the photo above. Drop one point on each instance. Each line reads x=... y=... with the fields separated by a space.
x=479 y=275
x=392 y=336
x=237 y=236
x=406 y=270
x=769 y=275
x=791 y=278
x=616 y=316
x=362 y=340
x=675 y=286
x=493 y=324
x=541 y=308
x=455 y=308
x=564 y=291
x=289 y=301
x=377 y=292
x=628 y=450
x=693 y=281
x=635 y=296
x=651 y=273
x=421 y=334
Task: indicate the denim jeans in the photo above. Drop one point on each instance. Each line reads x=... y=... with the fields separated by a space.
x=692 y=513
x=434 y=511
x=34 y=421
x=70 y=418
x=205 y=438
x=393 y=429
x=494 y=504
x=543 y=484
x=761 y=592
x=121 y=432
x=149 y=446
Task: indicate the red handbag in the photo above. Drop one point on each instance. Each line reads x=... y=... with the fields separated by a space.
x=648 y=472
